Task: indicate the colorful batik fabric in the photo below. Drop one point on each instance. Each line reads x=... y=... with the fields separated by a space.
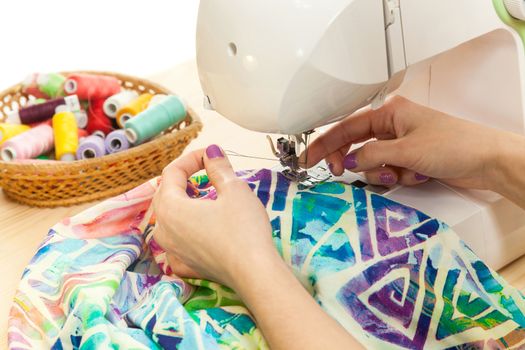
x=391 y=275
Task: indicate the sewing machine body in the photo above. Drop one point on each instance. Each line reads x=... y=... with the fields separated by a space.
x=289 y=66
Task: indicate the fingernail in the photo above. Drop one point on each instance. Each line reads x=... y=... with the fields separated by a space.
x=387 y=178
x=420 y=177
x=331 y=167
x=350 y=161
x=214 y=151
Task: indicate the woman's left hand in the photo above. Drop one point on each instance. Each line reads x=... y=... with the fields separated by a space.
x=229 y=240
x=205 y=238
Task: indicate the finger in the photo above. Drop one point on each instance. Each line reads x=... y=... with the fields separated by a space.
x=335 y=161
x=383 y=176
x=375 y=154
x=362 y=126
x=411 y=178
x=219 y=168
x=175 y=176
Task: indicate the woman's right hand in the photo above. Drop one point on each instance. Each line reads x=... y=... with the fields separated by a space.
x=408 y=144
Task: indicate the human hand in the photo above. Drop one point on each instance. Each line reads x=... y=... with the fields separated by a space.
x=205 y=238
x=408 y=144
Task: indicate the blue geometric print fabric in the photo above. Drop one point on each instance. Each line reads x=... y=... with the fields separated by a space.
x=391 y=275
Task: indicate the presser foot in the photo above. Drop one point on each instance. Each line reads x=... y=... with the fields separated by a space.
x=307 y=179
x=288 y=151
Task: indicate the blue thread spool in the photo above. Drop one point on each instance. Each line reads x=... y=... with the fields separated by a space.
x=155 y=120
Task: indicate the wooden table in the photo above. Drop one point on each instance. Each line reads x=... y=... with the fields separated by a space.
x=23 y=228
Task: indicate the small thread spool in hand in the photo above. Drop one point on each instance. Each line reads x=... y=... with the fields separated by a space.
x=155 y=120
x=91 y=147
x=66 y=136
x=91 y=87
x=133 y=108
x=29 y=144
x=8 y=131
x=117 y=141
x=118 y=101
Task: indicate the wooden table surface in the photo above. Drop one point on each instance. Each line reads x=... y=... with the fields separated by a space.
x=23 y=228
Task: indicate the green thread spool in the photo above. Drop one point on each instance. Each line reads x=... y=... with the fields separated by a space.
x=51 y=84
x=155 y=120
x=43 y=157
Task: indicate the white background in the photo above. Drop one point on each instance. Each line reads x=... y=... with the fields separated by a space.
x=136 y=37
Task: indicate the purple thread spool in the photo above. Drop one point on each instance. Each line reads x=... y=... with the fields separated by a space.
x=43 y=111
x=91 y=147
x=117 y=141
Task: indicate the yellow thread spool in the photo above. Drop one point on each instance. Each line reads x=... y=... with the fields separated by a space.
x=133 y=108
x=65 y=130
x=8 y=131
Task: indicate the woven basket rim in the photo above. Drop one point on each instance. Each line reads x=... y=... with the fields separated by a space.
x=192 y=120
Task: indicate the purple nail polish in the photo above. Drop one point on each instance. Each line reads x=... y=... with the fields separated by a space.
x=214 y=151
x=387 y=178
x=420 y=177
x=350 y=161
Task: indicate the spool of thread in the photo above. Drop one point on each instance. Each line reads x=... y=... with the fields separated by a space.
x=133 y=108
x=65 y=130
x=91 y=147
x=29 y=144
x=42 y=112
x=118 y=101
x=8 y=131
x=155 y=120
x=117 y=142
x=51 y=84
x=156 y=99
x=91 y=87
x=97 y=119
x=80 y=115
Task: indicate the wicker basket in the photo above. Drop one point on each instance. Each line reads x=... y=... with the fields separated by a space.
x=62 y=184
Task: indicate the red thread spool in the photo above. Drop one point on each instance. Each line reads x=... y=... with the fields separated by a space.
x=91 y=87
x=97 y=119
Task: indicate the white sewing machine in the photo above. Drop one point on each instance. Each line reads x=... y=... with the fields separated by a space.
x=290 y=66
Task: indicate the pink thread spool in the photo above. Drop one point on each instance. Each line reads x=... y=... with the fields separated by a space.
x=29 y=144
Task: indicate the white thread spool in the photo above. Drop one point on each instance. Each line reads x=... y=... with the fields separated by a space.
x=116 y=102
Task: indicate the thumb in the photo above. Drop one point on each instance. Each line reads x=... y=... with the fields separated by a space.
x=218 y=167
x=375 y=154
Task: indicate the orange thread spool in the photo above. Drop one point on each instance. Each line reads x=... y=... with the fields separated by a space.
x=133 y=108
